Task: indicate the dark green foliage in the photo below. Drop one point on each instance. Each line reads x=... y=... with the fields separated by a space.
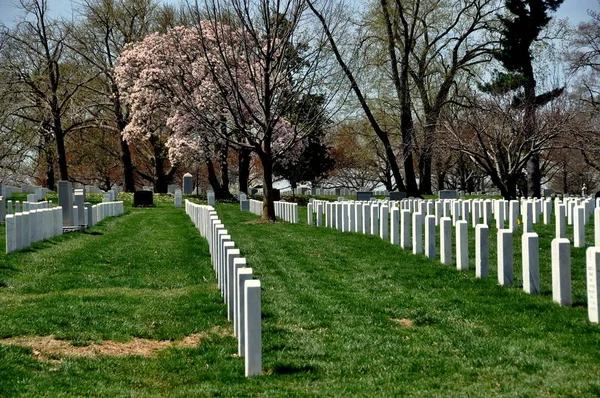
x=518 y=31
x=314 y=162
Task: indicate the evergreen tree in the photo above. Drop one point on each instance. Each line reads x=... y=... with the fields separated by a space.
x=519 y=29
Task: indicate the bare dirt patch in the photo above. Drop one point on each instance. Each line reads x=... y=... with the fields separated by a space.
x=407 y=323
x=47 y=347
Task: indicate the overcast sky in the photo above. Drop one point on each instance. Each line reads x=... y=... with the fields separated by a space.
x=575 y=10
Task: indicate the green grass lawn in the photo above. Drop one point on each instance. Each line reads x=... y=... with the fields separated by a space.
x=343 y=315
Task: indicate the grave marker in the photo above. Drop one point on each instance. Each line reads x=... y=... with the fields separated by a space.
x=561 y=271
x=530 y=262
x=593 y=280
x=446 y=241
x=482 y=251
x=505 y=257
x=462 y=245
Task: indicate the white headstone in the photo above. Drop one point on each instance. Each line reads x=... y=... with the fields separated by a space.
x=446 y=241
x=561 y=271
x=462 y=245
x=593 y=280
x=505 y=257
x=482 y=251
x=384 y=222
x=252 y=326
x=417 y=233
x=530 y=262
x=430 y=236
x=561 y=228
x=244 y=274
x=579 y=227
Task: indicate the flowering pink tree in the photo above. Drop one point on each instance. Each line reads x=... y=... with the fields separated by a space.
x=213 y=82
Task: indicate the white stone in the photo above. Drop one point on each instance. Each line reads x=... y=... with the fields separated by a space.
x=430 y=236
x=231 y=254
x=417 y=233
x=366 y=218
x=446 y=241
x=384 y=222
x=405 y=229
x=499 y=215
x=475 y=214
x=252 y=326
x=579 y=227
x=374 y=219
x=395 y=226
x=11 y=233
x=547 y=211
x=482 y=251
x=530 y=262
x=238 y=264
x=561 y=271
x=528 y=217
x=487 y=212
x=597 y=226
x=593 y=280
x=319 y=214
x=25 y=234
x=462 y=245
x=561 y=228
x=504 y=249
x=358 y=212
x=244 y=274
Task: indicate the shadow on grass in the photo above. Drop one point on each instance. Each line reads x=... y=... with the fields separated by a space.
x=288 y=369
x=93 y=233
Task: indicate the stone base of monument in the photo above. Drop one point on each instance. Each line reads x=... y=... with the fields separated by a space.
x=74 y=228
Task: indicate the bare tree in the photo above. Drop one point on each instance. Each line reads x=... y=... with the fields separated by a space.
x=98 y=39
x=42 y=72
x=490 y=131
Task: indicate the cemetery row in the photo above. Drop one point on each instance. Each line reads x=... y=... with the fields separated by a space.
x=405 y=223
x=33 y=221
x=284 y=210
x=239 y=290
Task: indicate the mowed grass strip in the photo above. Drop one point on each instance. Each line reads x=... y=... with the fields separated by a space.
x=357 y=315
x=343 y=315
x=145 y=275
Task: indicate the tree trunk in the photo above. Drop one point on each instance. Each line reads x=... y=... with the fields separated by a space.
x=161 y=185
x=268 y=195
x=50 y=178
x=128 y=179
x=534 y=176
x=221 y=192
x=49 y=155
x=61 y=152
x=244 y=157
x=425 y=170
x=223 y=152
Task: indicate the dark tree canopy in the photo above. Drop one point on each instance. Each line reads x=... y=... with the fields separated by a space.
x=520 y=27
x=314 y=162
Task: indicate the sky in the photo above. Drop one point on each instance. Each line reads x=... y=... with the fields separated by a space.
x=575 y=10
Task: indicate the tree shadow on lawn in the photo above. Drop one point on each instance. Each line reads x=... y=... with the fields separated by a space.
x=288 y=368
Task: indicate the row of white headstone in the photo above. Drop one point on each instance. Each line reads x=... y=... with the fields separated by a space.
x=25 y=228
x=42 y=221
x=287 y=211
x=406 y=229
x=355 y=216
x=239 y=290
